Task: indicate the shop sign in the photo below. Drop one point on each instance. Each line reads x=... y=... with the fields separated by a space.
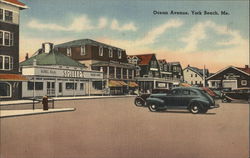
x=161 y=85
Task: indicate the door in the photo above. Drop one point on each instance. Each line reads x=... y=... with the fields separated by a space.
x=173 y=99
x=50 y=88
x=60 y=88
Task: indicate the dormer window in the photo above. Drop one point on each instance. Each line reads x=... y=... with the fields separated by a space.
x=110 y=52
x=83 y=50
x=100 y=51
x=68 y=51
x=119 y=54
x=8 y=16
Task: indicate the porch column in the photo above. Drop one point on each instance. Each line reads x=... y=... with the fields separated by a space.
x=108 y=72
x=121 y=73
x=114 y=72
x=127 y=74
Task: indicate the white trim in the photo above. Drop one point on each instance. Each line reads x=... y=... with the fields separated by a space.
x=226 y=69
x=10 y=34
x=17 y=5
x=10 y=64
x=69 y=52
x=100 y=51
x=110 y=52
x=83 y=50
x=10 y=90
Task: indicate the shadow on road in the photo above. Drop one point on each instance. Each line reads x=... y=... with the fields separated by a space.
x=183 y=112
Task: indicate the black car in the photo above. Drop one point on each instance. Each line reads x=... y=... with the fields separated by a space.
x=140 y=100
x=236 y=94
x=195 y=100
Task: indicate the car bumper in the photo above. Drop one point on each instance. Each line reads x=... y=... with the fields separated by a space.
x=215 y=106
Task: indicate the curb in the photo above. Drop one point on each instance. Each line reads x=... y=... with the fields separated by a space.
x=38 y=113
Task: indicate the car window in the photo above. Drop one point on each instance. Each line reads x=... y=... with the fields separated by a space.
x=185 y=92
x=176 y=92
x=193 y=92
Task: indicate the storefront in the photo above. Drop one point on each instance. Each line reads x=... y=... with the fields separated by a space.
x=60 y=82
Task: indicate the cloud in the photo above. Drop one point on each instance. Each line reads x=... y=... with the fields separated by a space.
x=81 y=23
x=198 y=33
x=126 y=27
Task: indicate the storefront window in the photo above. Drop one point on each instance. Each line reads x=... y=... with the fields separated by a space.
x=5 y=90
x=71 y=86
x=97 y=85
x=38 y=85
x=81 y=86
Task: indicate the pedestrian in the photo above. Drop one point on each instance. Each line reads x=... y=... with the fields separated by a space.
x=45 y=103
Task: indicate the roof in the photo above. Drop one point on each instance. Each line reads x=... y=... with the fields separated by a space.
x=174 y=63
x=12 y=77
x=144 y=59
x=242 y=70
x=162 y=61
x=246 y=69
x=197 y=70
x=81 y=42
x=15 y=3
x=52 y=58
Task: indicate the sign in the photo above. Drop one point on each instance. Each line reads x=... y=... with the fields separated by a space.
x=53 y=72
x=161 y=85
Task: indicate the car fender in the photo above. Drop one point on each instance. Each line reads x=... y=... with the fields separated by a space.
x=157 y=101
x=203 y=102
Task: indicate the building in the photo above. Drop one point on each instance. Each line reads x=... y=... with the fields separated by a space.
x=10 y=78
x=195 y=76
x=54 y=74
x=230 y=77
x=165 y=69
x=177 y=73
x=119 y=75
x=148 y=73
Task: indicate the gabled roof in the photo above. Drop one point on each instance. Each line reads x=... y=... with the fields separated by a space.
x=15 y=3
x=52 y=58
x=162 y=61
x=242 y=70
x=144 y=59
x=246 y=69
x=82 y=42
x=197 y=70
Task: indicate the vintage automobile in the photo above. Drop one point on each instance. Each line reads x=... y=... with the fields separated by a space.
x=196 y=100
x=140 y=100
x=236 y=94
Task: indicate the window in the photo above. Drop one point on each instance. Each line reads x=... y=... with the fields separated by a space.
x=1 y=14
x=6 y=62
x=5 y=90
x=83 y=50
x=119 y=54
x=1 y=38
x=196 y=82
x=110 y=52
x=8 y=16
x=176 y=92
x=68 y=51
x=97 y=85
x=191 y=75
x=6 y=38
x=81 y=86
x=71 y=86
x=38 y=86
x=193 y=93
x=195 y=75
x=243 y=82
x=100 y=51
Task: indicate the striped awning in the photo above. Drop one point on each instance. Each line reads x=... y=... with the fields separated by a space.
x=132 y=84
x=113 y=83
x=12 y=77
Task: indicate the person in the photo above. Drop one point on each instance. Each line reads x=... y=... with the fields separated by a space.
x=45 y=103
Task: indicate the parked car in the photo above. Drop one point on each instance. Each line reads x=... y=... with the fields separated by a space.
x=196 y=100
x=140 y=100
x=236 y=94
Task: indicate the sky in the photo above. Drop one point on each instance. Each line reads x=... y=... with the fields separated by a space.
x=213 y=40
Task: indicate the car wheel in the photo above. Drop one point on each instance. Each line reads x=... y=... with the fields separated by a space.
x=139 y=102
x=153 y=107
x=204 y=110
x=195 y=108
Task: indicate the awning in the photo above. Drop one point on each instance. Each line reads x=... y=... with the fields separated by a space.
x=12 y=77
x=185 y=85
x=123 y=83
x=133 y=84
x=113 y=83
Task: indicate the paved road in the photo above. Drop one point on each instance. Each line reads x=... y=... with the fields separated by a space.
x=115 y=128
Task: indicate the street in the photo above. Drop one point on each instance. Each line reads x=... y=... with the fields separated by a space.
x=116 y=128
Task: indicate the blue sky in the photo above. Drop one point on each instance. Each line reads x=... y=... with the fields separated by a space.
x=131 y=25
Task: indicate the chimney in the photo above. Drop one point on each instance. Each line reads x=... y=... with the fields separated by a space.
x=27 y=56
x=246 y=66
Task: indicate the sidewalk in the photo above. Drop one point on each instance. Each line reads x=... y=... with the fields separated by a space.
x=14 y=113
x=13 y=102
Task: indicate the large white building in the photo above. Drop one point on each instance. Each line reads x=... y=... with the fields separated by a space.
x=195 y=76
x=54 y=74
